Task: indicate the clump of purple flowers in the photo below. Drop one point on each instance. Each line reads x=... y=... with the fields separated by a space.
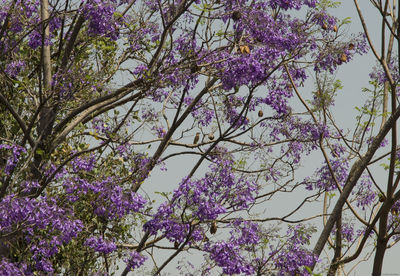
x=324 y=178
x=111 y=200
x=12 y=154
x=100 y=245
x=293 y=257
x=33 y=216
x=364 y=194
x=204 y=199
x=227 y=256
x=14 y=68
x=135 y=260
x=101 y=18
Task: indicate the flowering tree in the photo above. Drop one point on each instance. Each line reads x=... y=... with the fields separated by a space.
x=95 y=95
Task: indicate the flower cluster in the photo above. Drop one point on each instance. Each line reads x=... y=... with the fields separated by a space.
x=101 y=18
x=83 y=164
x=135 y=260
x=380 y=76
x=292 y=4
x=14 y=269
x=293 y=257
x=203 y=199
x=346 y=231
x=364 y=193
x=14 y=68
x=10 y=153
x=245 y=233
x=226 y=255
x=111 y=201
x=100 y=245
x=33 y=216
x=302 y=136
x=325 y=180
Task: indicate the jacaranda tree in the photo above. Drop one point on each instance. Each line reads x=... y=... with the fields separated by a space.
x=96 y=95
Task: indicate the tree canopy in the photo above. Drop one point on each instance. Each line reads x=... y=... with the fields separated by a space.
x=98 y=95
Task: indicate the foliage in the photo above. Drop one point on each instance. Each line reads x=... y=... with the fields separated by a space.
x=96 y=96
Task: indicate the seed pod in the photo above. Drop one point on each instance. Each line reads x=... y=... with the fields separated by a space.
x=382 y=197
x=236 y=15
x=324 y=26
x=176 y=245
x=351 y=46
x=196 y=138
x=335 y=29
x=9 y=24
x=260 y=113
x=244 y=49
x=343 y=57
x=213 y=228
x=211 y=136
x=194 y=68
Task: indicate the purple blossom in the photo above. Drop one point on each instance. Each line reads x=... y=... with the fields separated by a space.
x=227 y=256
x=14 y=68
x=347 y=231
x=364 y=194
x=35 y=39
x=135 y=260
x=383 y=144
x=101 y=18
x=35 y=217
x=204 y=199
x=14 y=269
x=83 y=163
x=100 y=245
x=160 y=131
x=293 y=257
x=30 y=185
x=292 y=4
x=245 y=233
x=13 y=154
x=325 y=180
x=379 y=75
x=111 y=200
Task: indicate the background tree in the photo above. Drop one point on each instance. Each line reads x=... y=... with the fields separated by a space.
x=381 y=220
x=98 y=94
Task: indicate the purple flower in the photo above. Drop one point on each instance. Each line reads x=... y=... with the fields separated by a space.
x=83 y=163
x=14 y=269
x=101 y=18
x=135 y=260
x=227 y=256
x=100 y=245
x=364 y=194
x=14 y=68
x=293 y=257
x=325 y=180
x=13 y=154
x=43 y=224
